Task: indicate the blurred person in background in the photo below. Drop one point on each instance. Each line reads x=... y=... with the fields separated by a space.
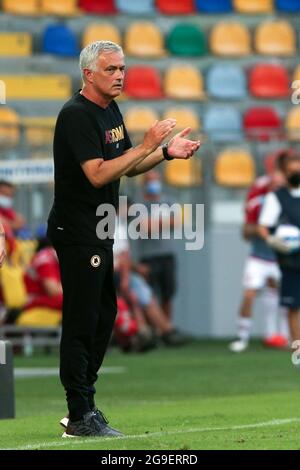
x=261 y=273
x=282 y=207
x=158 y=255
x=8 y=215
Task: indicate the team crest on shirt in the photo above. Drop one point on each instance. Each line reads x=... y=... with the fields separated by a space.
x=95 y=261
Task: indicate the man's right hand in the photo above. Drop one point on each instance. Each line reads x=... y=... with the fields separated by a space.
x=278 y=245
x=157 y=133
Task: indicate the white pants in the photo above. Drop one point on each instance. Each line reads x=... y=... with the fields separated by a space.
x=257 y=272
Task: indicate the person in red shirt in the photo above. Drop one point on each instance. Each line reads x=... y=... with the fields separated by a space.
x=42 y=277
x=7 y=214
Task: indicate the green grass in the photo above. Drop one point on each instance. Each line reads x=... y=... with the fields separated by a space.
x=197 y=397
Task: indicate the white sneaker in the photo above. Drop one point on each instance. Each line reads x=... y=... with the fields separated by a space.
x=64 y=422
x=238 y=346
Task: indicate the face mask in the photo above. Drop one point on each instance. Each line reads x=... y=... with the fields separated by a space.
x=294 y=179
x=154 y=187
x=6 y=202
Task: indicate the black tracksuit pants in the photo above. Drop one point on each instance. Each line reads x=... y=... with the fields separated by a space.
x=89 y=311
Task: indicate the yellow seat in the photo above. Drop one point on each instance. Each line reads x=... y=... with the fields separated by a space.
x=296 y=74
x=15 y=44
x=183 y=173
x=37 y=87
x=185 y=117
x=230 y=38
x=24 y=251
x=101 y=32
x=139 y=119
x=184 y=82
x=144 y=39
x=275 y=38
x=13 y=286
x=59 y=7
x=9 y=127
x=235 y=168
x=253 y=6
x=21 y=7
x=292 y=124
x=39 y=317
x=39 y=130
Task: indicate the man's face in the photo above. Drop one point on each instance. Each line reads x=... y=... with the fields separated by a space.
x=7 y=191
x=108 y=76
x=291 y=168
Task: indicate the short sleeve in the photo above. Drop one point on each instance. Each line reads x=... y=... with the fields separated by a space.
x=82 y=135
x=127 y=142
x=270 y=212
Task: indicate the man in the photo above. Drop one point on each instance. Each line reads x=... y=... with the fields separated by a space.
x=283 y=207
x=92 y=151
x=261 y=274
x=158 y=255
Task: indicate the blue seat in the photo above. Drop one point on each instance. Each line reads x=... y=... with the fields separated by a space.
x=214 y=6
x=226 y=81
x=223 y=123
x=132 y=7
x=60 y=40
x=288 y=5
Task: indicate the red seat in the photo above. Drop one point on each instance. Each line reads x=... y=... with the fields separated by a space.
x=177 y=7
x=269 y=81
x=98 y=6
x=262 y=123
x=143 y=83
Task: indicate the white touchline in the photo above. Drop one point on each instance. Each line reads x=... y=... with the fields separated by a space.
x=62 y=443
x=29 y=372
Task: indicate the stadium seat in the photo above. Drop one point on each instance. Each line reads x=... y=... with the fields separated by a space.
x=60 y=40
x=234 y=168
x=269 y=81
x=183 y=173
x=39 y=130
x=39 y=317
x=292 y=124
x=140 y=119
x=186 y=39
x=223 y=123
x=144 y=39
x=59 y=7
x=133 y=7
x=226 y=81
x=12 y=283
x=253 y=6
x=296 y=74
x=105 y=7
x=37 y=87
x=21 y=7
x=275 y=38
x=15 y=44
x=262 y=123
x=288 y=6
x=178 y=7
x=230 y=38
x=143 y=82
x=9 y=127
x=214 y=6
x=185 y=117
x=184 y=82
x=101 y=32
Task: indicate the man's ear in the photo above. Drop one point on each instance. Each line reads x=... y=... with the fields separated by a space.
x=88 y=75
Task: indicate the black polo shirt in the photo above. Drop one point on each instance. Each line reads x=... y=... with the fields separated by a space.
x=83 y=131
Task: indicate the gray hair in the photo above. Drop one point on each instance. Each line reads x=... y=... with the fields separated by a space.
x=91 y=52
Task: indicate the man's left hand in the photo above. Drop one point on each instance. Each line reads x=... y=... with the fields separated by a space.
x=182 y=148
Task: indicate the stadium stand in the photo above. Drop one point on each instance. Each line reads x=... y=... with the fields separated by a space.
x=223 y=123
x=37 y=87
x=39 y=130
x=139 y=119
x=235 y=168
x=21 y=7
x=185 y=117
x=184 y=82
x=132 y=7
x=226 y=81
x=275 y=37
x=183 y=173
x=15 y=44
x=101 y=32
x=262 y=123
x=143 y=82
x=59 y=7
x=105 y=7
x=186 y=39
x=292 y=124
x=144 y=39
x=180 y=7
x=269 y=81
x=59 y=39
x=288 y=6
x=9 y=127
x=214 y=6
x=253 y=6
x=230 y=38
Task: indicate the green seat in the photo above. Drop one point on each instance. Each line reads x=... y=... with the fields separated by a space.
x=186 y=40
